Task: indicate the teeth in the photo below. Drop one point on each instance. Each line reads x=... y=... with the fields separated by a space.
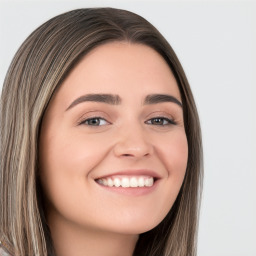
x=134 y=182
x=105 y=182
x=127 y=182
x=141 y=182
x=149 y=182
x=117 y=182
x=109 y=182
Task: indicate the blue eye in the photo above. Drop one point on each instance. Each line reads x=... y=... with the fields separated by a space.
x=161 y=121
x=95 y=121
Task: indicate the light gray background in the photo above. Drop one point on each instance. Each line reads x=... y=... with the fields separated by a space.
x=216 y=44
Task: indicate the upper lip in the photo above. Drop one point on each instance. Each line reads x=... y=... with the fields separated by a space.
x=138 y=172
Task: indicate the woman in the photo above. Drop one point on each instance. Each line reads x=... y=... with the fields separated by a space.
x=100 y=141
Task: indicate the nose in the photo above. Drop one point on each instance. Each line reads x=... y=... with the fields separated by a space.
x=134 y=143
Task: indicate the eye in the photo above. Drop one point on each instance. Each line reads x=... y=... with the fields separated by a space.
x=161 y=121
x=95 y=121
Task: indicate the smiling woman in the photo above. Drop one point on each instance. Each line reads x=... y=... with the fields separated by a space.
x=100 y=141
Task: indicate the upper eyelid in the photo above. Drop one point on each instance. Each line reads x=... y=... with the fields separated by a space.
x=160 y=114
x=93 y=114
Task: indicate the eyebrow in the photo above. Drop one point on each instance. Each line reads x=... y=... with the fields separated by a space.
x=160 y=98
x=104 y=98
x=113 y=99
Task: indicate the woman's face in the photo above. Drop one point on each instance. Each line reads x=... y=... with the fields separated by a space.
x=113 y=149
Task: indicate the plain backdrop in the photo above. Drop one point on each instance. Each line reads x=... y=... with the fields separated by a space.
x=216 y=44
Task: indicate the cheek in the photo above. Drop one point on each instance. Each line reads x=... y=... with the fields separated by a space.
x=177 y=160
x=173 y=152
x=66 y=161
x=71 y=153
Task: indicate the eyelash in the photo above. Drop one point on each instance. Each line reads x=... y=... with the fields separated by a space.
x=165 y=121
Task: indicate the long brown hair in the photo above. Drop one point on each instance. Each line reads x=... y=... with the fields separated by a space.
x=38 y=68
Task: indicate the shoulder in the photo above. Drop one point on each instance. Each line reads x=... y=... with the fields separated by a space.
x=3 y=250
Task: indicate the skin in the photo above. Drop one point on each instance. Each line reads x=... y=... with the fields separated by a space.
x=85 y=218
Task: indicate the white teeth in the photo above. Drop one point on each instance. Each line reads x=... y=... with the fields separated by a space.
x=105 y=182
x=110 y=183
x=149 y=182
x=126 y=182
x=117 y=182
x=141 y=182
x=134 y=182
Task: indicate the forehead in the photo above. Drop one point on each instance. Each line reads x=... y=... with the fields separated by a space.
x=120 y=68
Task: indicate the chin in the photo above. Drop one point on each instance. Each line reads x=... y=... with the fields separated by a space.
x=135 y=226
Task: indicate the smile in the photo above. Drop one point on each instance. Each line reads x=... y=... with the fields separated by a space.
x=127 y=182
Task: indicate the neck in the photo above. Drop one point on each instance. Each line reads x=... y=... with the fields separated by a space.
x=71 y=240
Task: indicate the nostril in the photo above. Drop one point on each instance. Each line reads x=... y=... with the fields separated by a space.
x=131 y=149
x=133 y=155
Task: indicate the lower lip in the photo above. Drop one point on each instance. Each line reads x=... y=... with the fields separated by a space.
x=138 y=191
